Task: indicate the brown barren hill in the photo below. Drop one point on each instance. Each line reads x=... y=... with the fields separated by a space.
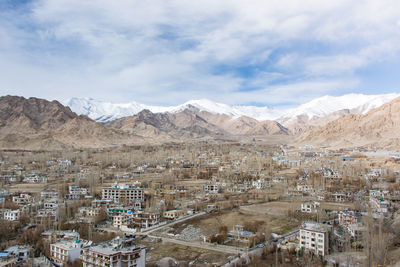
x=379 y=127
x=40 y=124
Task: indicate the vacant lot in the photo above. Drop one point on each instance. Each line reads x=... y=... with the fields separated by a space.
x=276 y=208
x=27 y=187
x=183 y=254
x=211 y=224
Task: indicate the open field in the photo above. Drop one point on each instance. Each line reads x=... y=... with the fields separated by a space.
x=210 y=224
x=276 y=208
x=183 y=254
x=24 y=187
x=336 y=206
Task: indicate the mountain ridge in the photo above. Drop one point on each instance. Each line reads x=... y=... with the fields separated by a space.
x=317 y=108
x=378 y=127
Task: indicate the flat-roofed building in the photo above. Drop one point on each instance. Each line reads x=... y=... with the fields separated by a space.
x=310 y=206
x=121 y=251
x=12 y=215
x=65 y=251
x=122 y=192
x=314 y=237
x=174 y=214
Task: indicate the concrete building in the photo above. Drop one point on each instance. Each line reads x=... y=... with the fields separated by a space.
x=347 y=217
x=211 y=189
x=238 y=233
x=314 y=237
x=22 y=199
x=310 y=206
x=122 y=192
x=174 y=214
x=65 y=251
x=119 y=252
x=12 y=215
x=121 y=219
x=143 y=219
x=76 y=192
x=380 y=205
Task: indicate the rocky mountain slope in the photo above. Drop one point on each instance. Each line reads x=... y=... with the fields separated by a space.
x=40 y=124
x=379 y=127
x=315 y=113
x=193 y=123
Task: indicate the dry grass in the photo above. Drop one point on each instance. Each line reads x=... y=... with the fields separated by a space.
x=277 y=224
x=183 y=254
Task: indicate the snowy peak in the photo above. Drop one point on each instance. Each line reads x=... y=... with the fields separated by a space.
x=326 y=105
x=317 y=108
x=106 y=111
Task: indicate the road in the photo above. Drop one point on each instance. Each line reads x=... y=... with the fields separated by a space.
x=149 y=231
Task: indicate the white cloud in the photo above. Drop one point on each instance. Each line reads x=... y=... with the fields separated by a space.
x=171 y=51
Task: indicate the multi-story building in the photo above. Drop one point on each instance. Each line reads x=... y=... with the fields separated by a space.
x=314 y=237
x=76 y=192
x=12 y=215
x=122 y=219
x=380 y=205
x=347 y=217
x=49 y=194
x=260 y=183
x=65 y=251
x=143 y=219
x=22 y=199
x=174 y=214
x=310 y=206
x=121 y=251
x=89 y=211
x=45 y=216
x=122 y=192
x=378 y=193
x=51 y=204
x=305 y=188
x=211 y=189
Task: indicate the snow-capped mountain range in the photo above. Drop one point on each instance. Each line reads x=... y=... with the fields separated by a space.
x=357 y=103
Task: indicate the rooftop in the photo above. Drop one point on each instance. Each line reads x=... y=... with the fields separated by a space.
x=117 y=245
x=313 y=226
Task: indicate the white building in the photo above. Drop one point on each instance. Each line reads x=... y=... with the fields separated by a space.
x=65 y=251
x=22 y=199
x=314 y=237
x=12 y=215
x=380 y=205
x=76 y=192
x=211 y=189
x=310 y=206
x=260 y=184
x=378 y=193
x=117 y=252
x=121 y=219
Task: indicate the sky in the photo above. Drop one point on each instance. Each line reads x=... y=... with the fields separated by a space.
x=265 y=52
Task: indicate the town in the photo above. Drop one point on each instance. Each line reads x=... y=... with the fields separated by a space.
x=200 y=204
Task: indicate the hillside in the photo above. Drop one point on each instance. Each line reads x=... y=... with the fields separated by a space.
x=40 y=124
x=379 y=127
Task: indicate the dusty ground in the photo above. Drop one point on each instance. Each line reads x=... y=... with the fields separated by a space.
x=336 y=206
x=210 y=225
x=24 y=187
x=184 y=255
x=276 y=208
